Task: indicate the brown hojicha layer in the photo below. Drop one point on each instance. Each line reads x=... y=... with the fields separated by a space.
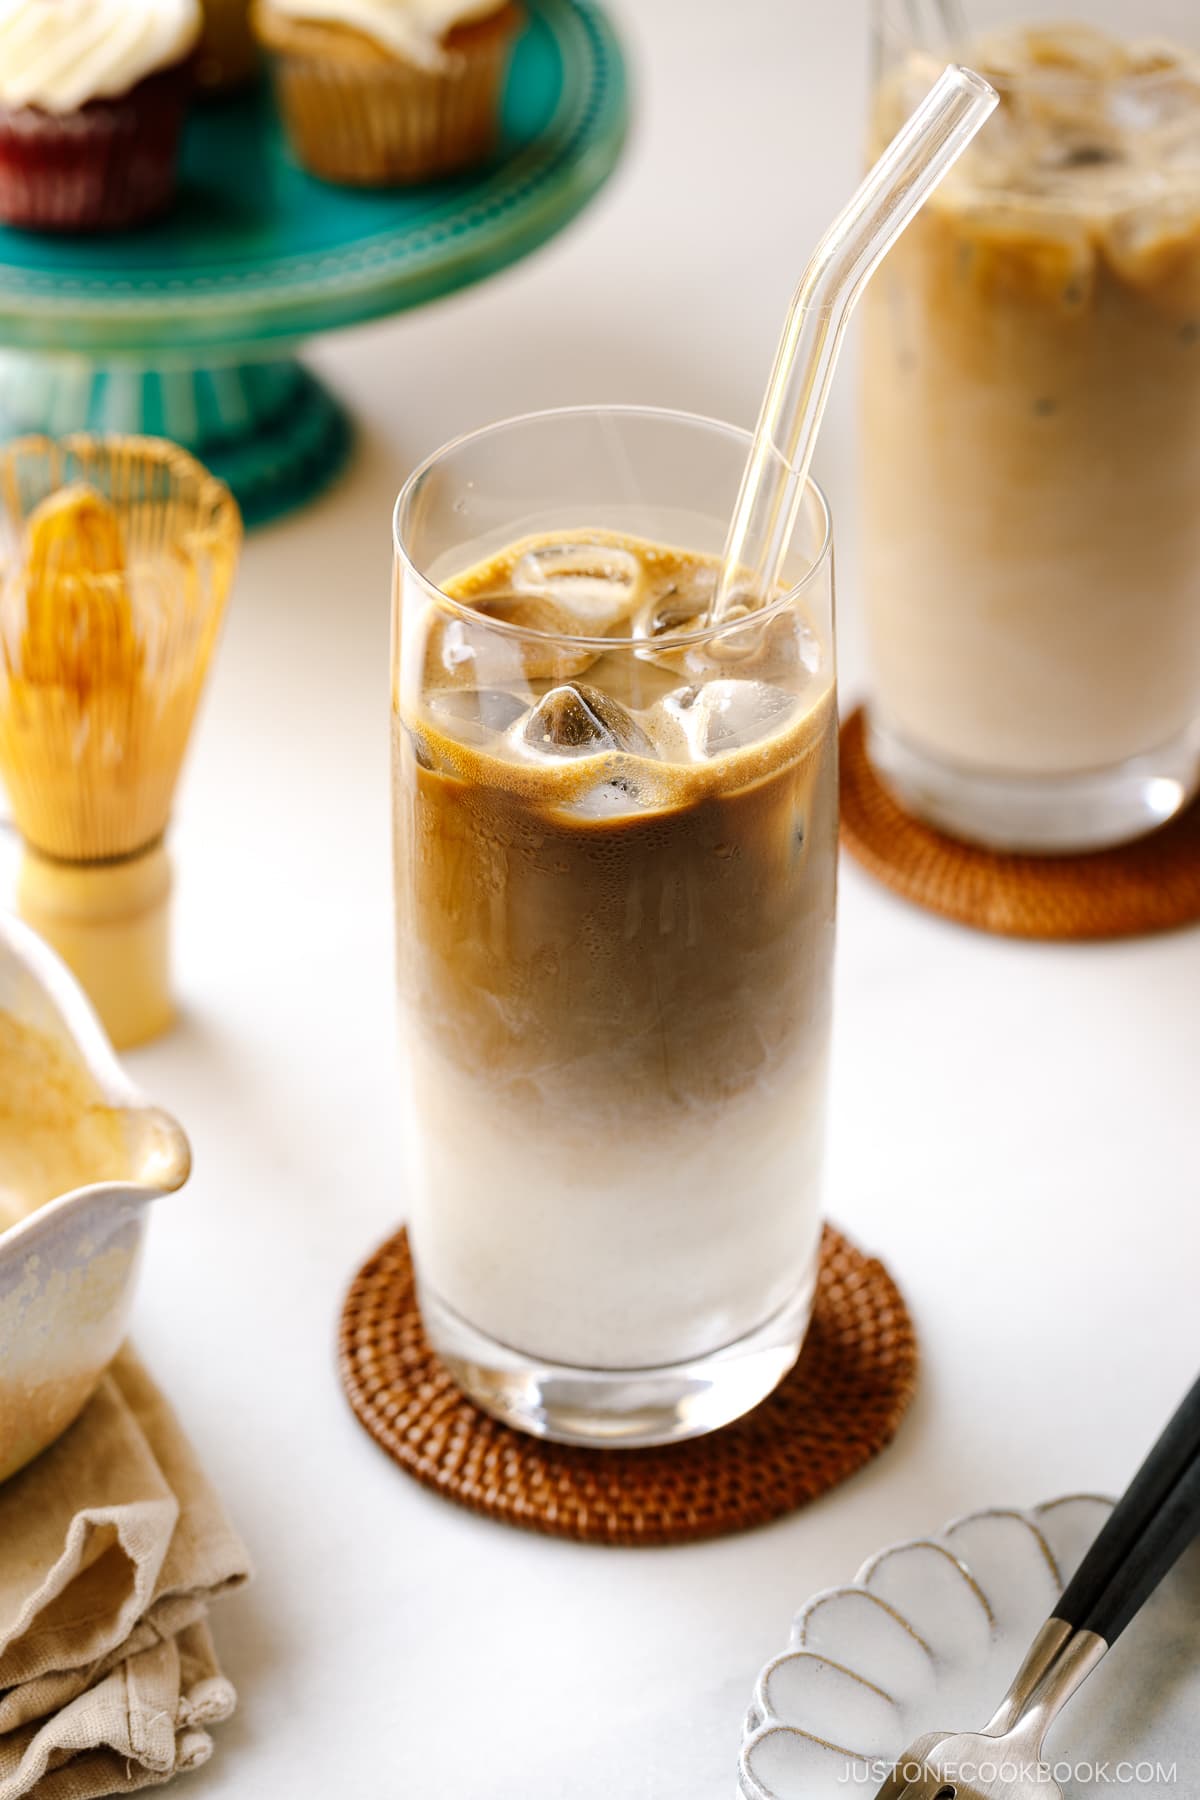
x=662 y=957
x=1032 y=444
x=666 y=958
x=358 y=114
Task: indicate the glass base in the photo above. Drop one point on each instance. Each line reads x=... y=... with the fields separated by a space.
x=1040 y=815
x=619 y=1408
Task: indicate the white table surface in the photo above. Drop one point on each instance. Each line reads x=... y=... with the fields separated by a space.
x=1014 y=1127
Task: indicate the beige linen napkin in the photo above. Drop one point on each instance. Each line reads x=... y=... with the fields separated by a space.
x=111 y=1545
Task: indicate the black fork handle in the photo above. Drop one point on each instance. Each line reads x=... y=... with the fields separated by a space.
x=1150 y=1527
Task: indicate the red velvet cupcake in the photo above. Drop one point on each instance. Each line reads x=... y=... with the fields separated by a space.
x=93 y=97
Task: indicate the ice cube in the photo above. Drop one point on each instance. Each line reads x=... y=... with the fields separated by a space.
x=1148 y=244
x=1042 y=253
x=1176 y=151
x=1160 y=107
x=417 y=744
x=728 y=715
x=596 y=585
x=766 y=649
x=607 y=800
x=575 y=720
x=679 y=604
x=463 y=651
x=1074 y=49
x=1161 y=112
x=475 y=715
x=1155 y=56
x=456 y=651
x=625 y=790
x=1079 y=157
x=776 y=648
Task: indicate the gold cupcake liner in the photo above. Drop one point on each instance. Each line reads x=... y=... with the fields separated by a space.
x=358 y=115
x=101 y=673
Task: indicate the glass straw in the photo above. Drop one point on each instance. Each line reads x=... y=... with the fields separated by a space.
x=920 y=154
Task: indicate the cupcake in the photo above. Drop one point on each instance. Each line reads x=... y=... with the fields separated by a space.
x=379 y=92
x=228 y=53
x=93 y=95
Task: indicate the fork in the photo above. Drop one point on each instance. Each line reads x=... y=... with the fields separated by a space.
x=1148 y=1530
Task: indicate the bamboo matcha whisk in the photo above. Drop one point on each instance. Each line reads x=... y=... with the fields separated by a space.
x=116 y=559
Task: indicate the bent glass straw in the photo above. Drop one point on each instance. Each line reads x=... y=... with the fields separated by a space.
x=920 y=154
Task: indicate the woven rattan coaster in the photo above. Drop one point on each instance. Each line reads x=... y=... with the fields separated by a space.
x=1150 y=885
x=838 y=1407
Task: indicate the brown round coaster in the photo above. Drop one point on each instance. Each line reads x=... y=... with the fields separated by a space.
x=1150 y=885
x=838 y=1407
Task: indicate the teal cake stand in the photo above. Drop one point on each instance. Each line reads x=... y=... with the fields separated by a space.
x=187 y=330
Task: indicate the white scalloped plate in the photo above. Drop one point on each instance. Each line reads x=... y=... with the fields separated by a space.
x=930 y=1634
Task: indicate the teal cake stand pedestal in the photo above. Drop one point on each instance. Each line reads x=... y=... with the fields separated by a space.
x=271 y=430
x=188 y=330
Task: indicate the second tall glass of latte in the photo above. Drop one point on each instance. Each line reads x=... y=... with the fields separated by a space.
x=615 y=834
x=1032 y=433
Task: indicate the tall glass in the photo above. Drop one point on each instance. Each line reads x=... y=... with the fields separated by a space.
x=615 y=838
x=1032 y=432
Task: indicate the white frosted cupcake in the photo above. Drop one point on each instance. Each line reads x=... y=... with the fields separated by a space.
x=93 y=95
x=377 y=92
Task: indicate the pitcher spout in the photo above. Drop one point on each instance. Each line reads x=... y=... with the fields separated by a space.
x=160 y=1157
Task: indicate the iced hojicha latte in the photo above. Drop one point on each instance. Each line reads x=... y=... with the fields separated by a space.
x=1032 y=419
x=615 y=898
